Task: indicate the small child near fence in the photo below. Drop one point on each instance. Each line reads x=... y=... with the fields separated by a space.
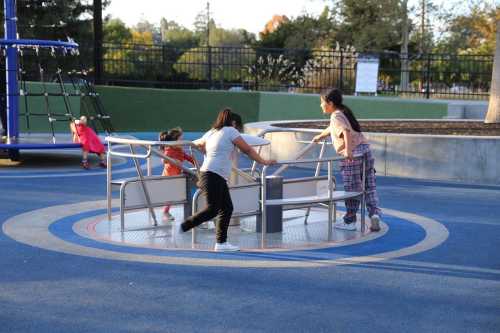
x=175 y=152
x=90 y=141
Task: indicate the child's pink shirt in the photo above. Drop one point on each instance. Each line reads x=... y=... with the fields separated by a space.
x=89 y=140
x=338 y=124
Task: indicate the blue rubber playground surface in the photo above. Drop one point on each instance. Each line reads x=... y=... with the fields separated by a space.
x=436 y=269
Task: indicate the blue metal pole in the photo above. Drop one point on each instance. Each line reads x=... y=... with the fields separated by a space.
x=11 y=72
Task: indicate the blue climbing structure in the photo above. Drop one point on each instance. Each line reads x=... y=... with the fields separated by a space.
x=13 y=47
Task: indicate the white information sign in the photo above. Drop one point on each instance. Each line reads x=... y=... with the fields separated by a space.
x=367 y=75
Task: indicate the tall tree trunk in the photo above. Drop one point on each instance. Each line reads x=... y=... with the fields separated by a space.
x=423 y=48
x=98 y=41
x=493 y=115
x=404 y=86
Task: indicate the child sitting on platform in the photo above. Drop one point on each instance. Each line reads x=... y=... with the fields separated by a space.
x=175 y=152
x=89 y=140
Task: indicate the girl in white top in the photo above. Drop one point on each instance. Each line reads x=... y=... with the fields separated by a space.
x=348 y=141
x=218 y=145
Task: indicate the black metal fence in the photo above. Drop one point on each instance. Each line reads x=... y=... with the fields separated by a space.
x=292 y=70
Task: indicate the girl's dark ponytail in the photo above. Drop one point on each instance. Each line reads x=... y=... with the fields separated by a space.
x=350 y=116
x=335 y=97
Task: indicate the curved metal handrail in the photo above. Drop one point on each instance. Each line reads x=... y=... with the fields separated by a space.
x=152 y=148
x=149 y=144
x=131 y=155
x=116 y=139
x=329 y=161
x=302 y=152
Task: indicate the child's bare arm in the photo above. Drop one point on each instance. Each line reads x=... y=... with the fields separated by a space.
x=189 y=158
x=322 y=135
x=348 y=144
x=200 y=145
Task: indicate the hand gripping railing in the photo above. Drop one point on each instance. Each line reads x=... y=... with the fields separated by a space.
x=152 y=148
x=330 y=199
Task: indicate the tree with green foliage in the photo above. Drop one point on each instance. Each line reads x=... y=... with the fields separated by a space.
x=175 y=40
x=370 y=25
x=202 y=24
x=116 y=32
x=423 y=34
x=116 y=35
x=175 y=35
x=298 y=37
x=56 y=20
x=144 y=26
x=472 y=32
x=303 y=32
x=230 y=37
x=228 y=49
x=131 y=52
x=219 y=51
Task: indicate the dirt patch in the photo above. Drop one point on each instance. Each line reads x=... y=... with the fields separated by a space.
x=413 y=127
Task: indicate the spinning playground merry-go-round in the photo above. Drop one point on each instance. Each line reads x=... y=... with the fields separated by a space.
x=271 y=210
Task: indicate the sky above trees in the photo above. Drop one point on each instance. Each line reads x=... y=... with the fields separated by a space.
x=452 y=26
x=239 y=14
x=229 y=14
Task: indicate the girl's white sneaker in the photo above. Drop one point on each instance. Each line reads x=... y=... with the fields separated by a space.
x=345 y=226
x=225 y=247
x=375 y=223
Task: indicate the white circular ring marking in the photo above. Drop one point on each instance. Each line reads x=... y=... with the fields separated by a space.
x=32 y=228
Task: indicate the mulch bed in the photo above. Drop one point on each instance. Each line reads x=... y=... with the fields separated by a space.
x=414 y=127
